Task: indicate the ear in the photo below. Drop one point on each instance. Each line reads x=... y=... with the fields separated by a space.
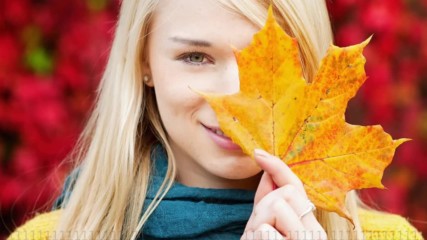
x=146 y=74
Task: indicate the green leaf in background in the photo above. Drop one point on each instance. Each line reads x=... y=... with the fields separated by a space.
x=96 y=5
x=39 y=60
x=36 y=57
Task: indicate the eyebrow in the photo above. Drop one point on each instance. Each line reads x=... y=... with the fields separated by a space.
x=192 y=42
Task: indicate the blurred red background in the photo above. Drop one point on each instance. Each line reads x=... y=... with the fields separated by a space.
x=52 y=54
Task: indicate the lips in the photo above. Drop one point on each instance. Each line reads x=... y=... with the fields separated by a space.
x=218 y=137
x=217 y=131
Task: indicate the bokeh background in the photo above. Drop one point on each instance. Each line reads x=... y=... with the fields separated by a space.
x=52 y=54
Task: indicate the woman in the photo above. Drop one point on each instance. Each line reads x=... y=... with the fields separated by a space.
x=152 y=161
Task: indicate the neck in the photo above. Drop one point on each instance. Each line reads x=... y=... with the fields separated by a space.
x=195 y=180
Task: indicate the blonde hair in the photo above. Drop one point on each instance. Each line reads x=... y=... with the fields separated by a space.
x=113 y=152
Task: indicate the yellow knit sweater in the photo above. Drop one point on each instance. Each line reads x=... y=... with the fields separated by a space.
x=375 y=225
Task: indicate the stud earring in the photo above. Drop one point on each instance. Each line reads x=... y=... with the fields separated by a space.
x=146 y=78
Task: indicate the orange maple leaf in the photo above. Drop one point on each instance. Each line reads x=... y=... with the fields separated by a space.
x=303 y=123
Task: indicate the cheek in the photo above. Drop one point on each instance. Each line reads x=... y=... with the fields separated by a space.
x=176 y=102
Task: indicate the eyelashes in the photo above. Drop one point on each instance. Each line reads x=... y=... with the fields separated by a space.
x=196 y=58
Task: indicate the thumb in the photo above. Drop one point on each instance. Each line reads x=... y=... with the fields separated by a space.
x=265 y=186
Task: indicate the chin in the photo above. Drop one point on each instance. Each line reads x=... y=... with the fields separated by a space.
x=242 y=175
x=242 y=169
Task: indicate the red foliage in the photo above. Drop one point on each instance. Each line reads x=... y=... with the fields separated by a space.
x=51 y=57
x=52 y=54
x=395 y=94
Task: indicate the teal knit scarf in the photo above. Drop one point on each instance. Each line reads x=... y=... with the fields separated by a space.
x=188 y=212
x=195 y=213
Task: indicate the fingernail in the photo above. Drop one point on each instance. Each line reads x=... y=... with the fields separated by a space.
x=259 y=153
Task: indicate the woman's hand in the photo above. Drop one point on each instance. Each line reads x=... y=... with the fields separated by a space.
x=281 y=212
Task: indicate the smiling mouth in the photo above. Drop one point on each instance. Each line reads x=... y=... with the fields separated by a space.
x=222 y=140
x=217 y=131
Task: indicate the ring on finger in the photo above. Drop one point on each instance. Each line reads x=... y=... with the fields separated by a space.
x=309 y=209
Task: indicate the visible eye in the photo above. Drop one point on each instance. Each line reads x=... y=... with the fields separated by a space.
x=196 y=58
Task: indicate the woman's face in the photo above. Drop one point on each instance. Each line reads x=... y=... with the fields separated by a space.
x=190 y=47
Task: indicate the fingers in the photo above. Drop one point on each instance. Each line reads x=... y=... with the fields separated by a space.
x=278 y=170
x=294 y=200
x=265 y=186
x=284 y=220
x=282 y=209
x=264 y=232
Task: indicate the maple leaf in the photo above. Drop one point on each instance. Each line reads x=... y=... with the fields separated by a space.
x=303 y=123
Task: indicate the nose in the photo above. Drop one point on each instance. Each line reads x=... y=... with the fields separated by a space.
x=230 y=83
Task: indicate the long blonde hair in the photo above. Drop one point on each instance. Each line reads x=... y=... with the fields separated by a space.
x=113 y=152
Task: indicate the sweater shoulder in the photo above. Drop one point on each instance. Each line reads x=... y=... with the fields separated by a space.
x=38 y=228
x=375 y=225
x=379 y=225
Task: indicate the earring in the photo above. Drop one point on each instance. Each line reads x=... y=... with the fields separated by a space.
x=146 y=78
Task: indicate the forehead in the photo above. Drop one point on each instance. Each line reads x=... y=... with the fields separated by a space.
x=201 y=18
